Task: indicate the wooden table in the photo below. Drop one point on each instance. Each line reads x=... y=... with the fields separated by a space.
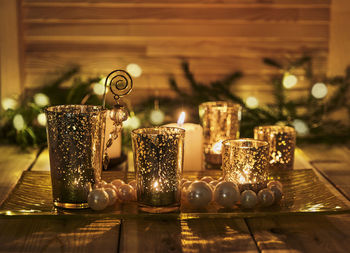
x=311 y=233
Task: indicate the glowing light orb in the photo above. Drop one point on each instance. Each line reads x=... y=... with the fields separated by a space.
x=289 y=81
x=9 y=103
x=41 y=99
x=99 y=88
x=41 y=119
x=134 y=69
x=217 y=147
x=319 y=90
x=132 y=122
x=300 y=127
x=18 y=122
x=157 y=117
x=252 y=102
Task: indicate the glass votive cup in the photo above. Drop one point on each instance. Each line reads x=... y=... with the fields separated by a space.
x=220 y=121
x=158 y=160
x=282 y=140
x=75 y=135
x=245 y=161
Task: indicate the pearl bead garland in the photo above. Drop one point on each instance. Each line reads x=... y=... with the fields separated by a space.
x=197 y=194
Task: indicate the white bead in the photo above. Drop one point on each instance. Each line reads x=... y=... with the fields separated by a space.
x=278 y=183
x=111 y=186
x=248 y=199
x=199 y=194
x=226 y=194
x=184 y=180
x=266 y=197
x=98 y=199
x=207 y=179
x=100 y=184
x=133 y=184
x=278 y=193
x=112 y=195
x=117 y=183
x=213 y=183
x=186 y=185
x=126 y=193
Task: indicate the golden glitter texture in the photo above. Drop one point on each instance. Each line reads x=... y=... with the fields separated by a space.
x=75 y=135
x=158 y=159
x=220 y=121
x=245 y=161
x=282 y=144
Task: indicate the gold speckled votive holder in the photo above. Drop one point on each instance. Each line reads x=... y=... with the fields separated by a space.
x=245 y=161
x=158 y=161
x=282 y=141
x=220 y=121
x=75 y=135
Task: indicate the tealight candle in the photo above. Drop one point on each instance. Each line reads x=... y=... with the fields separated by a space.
x=158 y=159
x=282 y=144
x=245 y=161
x=220 y=121
x=193 y=143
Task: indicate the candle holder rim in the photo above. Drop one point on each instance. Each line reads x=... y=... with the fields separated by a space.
x=276 y=128
x=92 y=109
x=139 y=131
x=242 y=140
x=220 y=103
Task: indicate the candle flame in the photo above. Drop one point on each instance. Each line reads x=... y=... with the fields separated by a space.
x=181 y=119
x=217 y=147
x=156 y=186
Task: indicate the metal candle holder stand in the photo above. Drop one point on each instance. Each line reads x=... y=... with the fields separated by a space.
x=120 y=84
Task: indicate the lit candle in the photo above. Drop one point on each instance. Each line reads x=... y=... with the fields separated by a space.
x=193 y=143
x=116 y=149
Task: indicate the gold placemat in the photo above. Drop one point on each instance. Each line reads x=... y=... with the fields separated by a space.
x=303 y=193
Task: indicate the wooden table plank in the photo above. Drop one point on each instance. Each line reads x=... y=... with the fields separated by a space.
x=42 y=163
x=302 y=233
x=59 y=235
x=310 y=233
x=13 y=162
x=198 y=235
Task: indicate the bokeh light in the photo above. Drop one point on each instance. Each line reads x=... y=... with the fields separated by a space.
x=319 y=90
x=134 y=70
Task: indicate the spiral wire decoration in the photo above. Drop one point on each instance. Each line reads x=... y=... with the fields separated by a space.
x=120 y=84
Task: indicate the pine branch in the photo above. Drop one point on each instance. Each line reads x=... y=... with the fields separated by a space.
x=272 y=63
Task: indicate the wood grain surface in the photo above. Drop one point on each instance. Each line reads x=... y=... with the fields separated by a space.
x=13 y=161
x=59 y=235
x=216 y=37
x=274 y=234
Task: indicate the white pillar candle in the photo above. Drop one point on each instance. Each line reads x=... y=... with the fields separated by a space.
x=193 y=147
x=116 y=149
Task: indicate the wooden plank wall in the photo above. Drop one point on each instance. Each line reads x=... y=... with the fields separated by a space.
x=216 y=36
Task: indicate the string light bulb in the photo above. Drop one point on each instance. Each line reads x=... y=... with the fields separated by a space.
x=134 y=69
x=289 y=80
x=99 y=88
x=41 y=99
x=9 y=103
x=41 y=119
x=18 y=122
x=300 y=127
x=252 y=102
x=157 y=117
x=319 y=90
x=132 y=122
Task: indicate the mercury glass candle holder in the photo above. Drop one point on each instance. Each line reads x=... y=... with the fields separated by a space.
x=245 y=161
x=221 y=121
x=282 y=141
x=158 y=161
x=75 y=135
